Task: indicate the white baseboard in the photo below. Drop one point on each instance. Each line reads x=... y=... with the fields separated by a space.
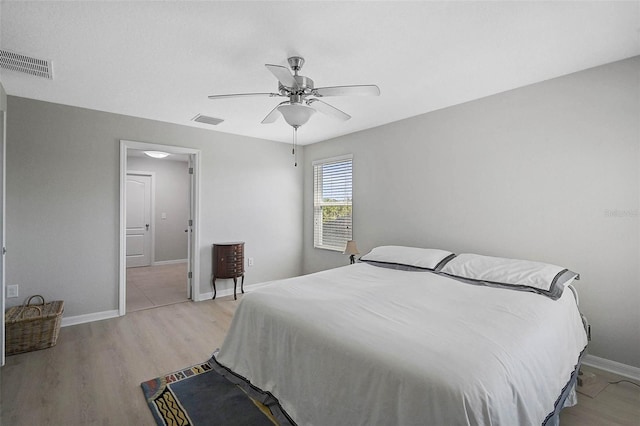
x=228 y=291
x=99 y=316
x=618 y=368
x=168 y=262
x=220 y=293
x=81 y=319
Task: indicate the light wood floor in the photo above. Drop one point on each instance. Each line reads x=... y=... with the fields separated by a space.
x=93 y=375
x=617 y=404
x=153 y=286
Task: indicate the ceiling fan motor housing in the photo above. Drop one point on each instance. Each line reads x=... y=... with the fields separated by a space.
x=305 y=84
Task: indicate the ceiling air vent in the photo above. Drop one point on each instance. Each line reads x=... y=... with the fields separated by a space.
x=207 y=120
x=25 y=64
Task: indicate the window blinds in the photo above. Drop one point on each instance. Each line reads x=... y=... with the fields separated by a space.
x=332 y=202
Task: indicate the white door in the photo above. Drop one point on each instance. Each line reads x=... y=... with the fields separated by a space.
x=138 y=240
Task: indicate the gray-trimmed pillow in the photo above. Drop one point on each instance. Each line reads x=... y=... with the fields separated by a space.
x=407 y=258
x=543 y=278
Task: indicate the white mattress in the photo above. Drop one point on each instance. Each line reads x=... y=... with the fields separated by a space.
x=364 y=345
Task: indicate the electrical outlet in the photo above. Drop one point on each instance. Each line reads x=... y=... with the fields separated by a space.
x=12 y=291
x=250 y=261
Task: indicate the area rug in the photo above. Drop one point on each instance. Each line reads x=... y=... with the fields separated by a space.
x=210 y=394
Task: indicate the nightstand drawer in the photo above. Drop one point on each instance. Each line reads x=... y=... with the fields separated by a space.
x=228 y=260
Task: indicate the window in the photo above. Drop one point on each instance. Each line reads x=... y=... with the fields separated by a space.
x=332 y=202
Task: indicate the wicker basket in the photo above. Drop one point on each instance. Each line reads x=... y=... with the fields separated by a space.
x=32 y=327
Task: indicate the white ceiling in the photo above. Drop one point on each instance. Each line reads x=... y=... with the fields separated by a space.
x=160 y=60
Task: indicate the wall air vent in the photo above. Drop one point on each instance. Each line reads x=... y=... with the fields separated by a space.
x=207 y=120
x=25 y=64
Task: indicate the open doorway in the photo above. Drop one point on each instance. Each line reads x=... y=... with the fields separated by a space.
x=157 y=204
x=158 y=232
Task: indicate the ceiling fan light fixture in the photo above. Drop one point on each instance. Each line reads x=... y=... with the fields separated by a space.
x=296 y=115
x=156 y=154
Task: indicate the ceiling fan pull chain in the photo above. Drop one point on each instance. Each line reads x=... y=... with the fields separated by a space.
x=295 y=142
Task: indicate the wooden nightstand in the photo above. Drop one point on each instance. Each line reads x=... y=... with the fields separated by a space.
x=228 y=262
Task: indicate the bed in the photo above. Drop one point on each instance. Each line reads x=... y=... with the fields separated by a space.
x=411 y=338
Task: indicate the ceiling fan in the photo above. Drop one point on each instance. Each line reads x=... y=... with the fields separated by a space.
x=303 y=96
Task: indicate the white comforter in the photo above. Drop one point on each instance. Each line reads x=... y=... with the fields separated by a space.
x=364 y=345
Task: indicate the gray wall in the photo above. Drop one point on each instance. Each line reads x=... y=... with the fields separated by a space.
x=171 y=198
x=548 y=172
x=63 y=201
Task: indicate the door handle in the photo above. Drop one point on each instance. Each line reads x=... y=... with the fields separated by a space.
x=147 y=225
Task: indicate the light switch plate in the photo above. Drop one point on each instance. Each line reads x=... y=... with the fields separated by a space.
x=12 y=291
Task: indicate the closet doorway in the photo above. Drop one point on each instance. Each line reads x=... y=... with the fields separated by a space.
x=158 y=231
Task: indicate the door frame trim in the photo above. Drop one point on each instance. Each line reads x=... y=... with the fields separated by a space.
x=152 y=219
x=3 y=215
x=126 y=145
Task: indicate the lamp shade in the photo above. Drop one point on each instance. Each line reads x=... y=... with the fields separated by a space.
x=351 y=248
x=296 y=114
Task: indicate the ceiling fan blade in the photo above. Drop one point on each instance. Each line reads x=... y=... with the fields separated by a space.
x=283 y=74
x=325 y=108
x=357 y=90
x=273 y=115
x=244 y=95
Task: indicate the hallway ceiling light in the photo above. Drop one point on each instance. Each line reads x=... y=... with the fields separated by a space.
x=156 y=154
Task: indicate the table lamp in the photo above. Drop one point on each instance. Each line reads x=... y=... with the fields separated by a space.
x=351 y=249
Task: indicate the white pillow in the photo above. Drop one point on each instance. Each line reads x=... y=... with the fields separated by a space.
x=420 y=258
x=539 y=277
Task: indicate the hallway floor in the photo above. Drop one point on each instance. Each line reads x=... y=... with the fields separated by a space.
x=153 y=286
